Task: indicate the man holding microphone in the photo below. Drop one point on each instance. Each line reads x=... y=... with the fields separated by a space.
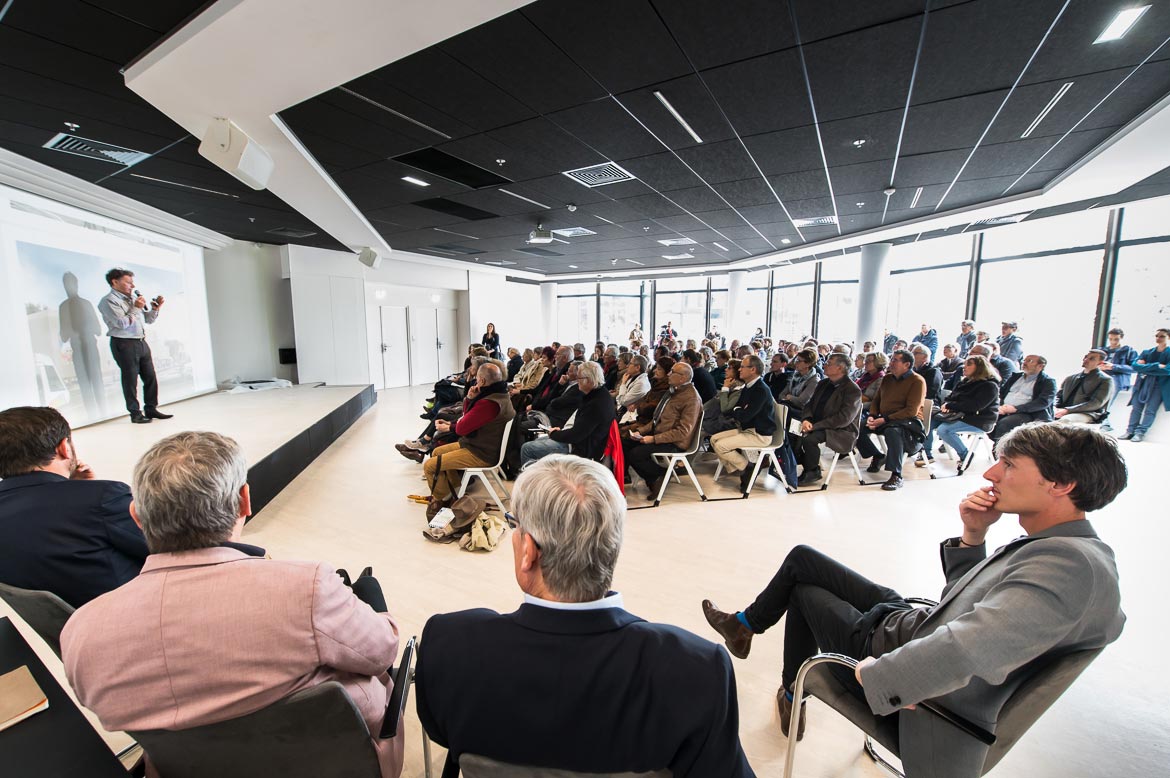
x=125 y=312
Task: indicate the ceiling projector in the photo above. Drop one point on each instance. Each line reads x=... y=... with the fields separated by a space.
x=540 y=235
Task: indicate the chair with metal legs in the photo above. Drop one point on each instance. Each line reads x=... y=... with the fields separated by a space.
x=833 y=466
x=767 y=453
x=684 y=458
x=974 y=440
x=493 y=471
x=927 y=413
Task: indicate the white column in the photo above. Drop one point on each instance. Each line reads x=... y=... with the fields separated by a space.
x=871 y=292
x=548 y=311
x=737 y=327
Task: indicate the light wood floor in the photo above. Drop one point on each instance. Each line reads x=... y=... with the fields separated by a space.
x=349 y=508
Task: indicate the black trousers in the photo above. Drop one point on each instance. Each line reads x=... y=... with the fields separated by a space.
x=830 y=608
x=367 y=589
x=896 y=446
x=807 y=449
x=132 y=356
x=639 y=456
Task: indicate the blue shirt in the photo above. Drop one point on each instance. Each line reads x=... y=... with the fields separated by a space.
x=123 y=318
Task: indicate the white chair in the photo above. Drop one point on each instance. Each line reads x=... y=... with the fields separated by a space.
x=833 y=466
x=684 y=457
x=927 y=412
x=767 y=452
x=482 y=473
x=973 y=441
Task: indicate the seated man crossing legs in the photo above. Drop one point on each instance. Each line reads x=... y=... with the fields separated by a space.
x=755 y=422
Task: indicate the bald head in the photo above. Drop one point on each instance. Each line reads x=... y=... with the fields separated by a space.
x=488 y=374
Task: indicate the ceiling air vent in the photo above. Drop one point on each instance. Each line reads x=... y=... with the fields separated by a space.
x=289 y=232
x=816 y=221
x=452 y=208
x=574 y=232
x=677 y=242
x=599 y=175
x=539 y=252
x=1013 y=219
x=107 y=152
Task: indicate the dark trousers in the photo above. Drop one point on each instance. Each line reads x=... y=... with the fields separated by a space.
x=132 y=356
x=829 y=607
x=896 y=446
x=807 y=449
x=367 y=589
x=1006 y=424
x=640 y=457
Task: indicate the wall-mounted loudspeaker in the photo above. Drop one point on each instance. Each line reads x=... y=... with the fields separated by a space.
x=370 y=258
x=228 y=147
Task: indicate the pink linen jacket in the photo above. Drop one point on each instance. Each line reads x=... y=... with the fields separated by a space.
x=209 y=635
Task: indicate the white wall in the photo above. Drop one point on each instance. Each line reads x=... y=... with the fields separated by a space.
x=249 y=306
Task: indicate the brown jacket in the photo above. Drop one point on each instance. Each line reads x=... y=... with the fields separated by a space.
x=678 y=419
x=899 y=399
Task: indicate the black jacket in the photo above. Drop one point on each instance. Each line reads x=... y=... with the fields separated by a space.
x=934 y=380
x=561 y=407
x=549 y=388
x=704 y=384
x=756 y=409
x=594 y=690
x=73 y=538
x=590 y=430
x=777 y=383
x=978 y=401
x=514 y=365
x=1043 y=396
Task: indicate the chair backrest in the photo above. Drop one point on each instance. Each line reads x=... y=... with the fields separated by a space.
x=45 y=612
x=927 y=410
x=314 y=732
x=504 y=441
x=403 y=678
x=475 y=766
x=781 y=425
x=1031 y=698
x=696 y=435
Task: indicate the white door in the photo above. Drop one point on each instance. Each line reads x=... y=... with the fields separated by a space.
x=395 y=347
x=424 y=360
x=450 y=360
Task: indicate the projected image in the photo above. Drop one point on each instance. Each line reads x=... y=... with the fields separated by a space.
x=74 y=368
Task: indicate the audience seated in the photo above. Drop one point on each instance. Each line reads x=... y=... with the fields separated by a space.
x=858 y=367
x=951 y=366
x=515 y=362
x=1118 y=365
x=988 y=349
x=896 y=415
x=486 y=412
x=634 y=383
x=966 y=337
x=552 y=384
x=717 y=412
x=973 y=406
x=803 y=381
x=832 y=415
x=669 y=429
x=931 y=374
x=658 y=387
x=1152 y=390
x=755 y=422
x=704 y=383
x=1026 y=396
x=531 y=375
x=561 y=407
x=571 y=679
x=1084 y=397
x=61 y=529
x=928 y=337
x=586 y=432
x=211 y=629
x=778 y=376
x=1001 y=617
x=1011 y=346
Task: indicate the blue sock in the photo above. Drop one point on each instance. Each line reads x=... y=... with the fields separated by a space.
x=788 y=694
x=743 y=620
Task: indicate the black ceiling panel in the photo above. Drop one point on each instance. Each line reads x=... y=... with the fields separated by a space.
x=439 y=163
x=565 y=84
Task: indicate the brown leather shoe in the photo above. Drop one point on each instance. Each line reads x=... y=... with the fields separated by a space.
x=736 y=636
x=409 y=453
x=434 y=506
x=785 y=707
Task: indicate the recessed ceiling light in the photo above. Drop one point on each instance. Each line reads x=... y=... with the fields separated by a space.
x=415 y=181
x=525 y=199
x=859 y=143
x=678 y=256
x=719 y=246
x=785 y=241
x=635 y=262
x=676 y=241
x=678 y=117
x=452 y=232
x=1048 y=108
x=917 y=194
x=859 y=205
x=607 y=221
x=1121 y=24
x=184 y=186
x=573 y=266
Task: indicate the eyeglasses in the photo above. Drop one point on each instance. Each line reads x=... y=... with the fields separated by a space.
x=514 y=523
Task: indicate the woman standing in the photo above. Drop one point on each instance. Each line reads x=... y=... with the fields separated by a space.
x=491 y=341
x=973 y=406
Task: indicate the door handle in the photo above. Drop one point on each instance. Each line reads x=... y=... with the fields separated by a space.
x=385 y=348
x=438 y=343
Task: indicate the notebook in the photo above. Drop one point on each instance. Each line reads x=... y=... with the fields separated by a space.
x=20 y=697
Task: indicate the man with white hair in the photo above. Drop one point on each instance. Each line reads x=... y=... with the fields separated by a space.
x=571 y=679
x=213 y=630
x=669 y=429
x=587 y=430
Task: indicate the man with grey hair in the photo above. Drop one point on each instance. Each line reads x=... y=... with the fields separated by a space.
x=572 y=680
x=1026 y=396
x=755 y=422
x=966 y=337
x=229 y=631
x=587 y=429
x=832 y=415
x=669 y=429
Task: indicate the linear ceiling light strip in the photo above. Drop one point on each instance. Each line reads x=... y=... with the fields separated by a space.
x=813 y=107
x=1047 y=109
x=1080 y=121
x=525 y=199
x=391 y=111
x=1002 y=104
x=906 y=110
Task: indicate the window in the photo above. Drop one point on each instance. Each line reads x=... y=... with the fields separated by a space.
x=792 y=301
x=686 y=311
x=577 y=315
x=1141 y=297
x=950 y=250
x=1074 y=230
x=1148 y=219
x=839 y=290
x=753 y=312
x=621 y=309
x=936 y=297
x=1053 y=299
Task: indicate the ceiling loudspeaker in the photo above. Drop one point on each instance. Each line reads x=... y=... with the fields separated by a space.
x=229 y=148
x=370 y=258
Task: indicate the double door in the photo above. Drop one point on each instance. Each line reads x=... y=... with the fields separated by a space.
x=418 y=345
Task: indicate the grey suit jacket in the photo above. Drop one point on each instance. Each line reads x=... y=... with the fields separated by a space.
x=841 y=419
x=1001 y=618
